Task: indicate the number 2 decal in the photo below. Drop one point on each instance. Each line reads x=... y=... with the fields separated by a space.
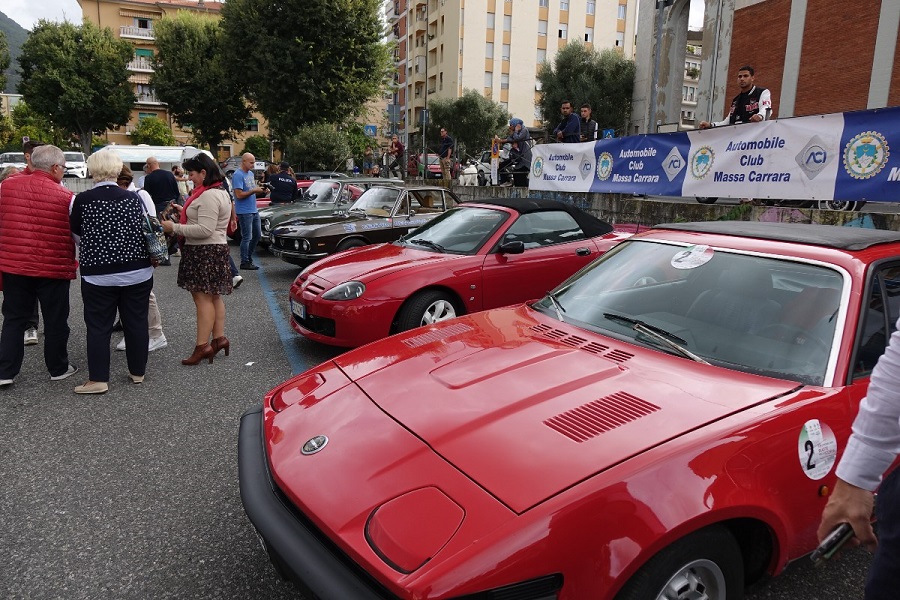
x=816 y=449
x=811 y=449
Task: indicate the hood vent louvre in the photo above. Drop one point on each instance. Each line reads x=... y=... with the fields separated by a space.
x=591 y=419
x=573 y=341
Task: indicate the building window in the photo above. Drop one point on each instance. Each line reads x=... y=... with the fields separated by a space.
x=563 y=5
x=490 y=20
x=588 y=34
x=622 y=11
x=544 y=3
x=143 y=53
x=142 y=116
x=542 y=27
x=538 y=115
x=505 y=51
x=441 y=80
x=541 y=56
x=143 y=23
x=489 y=50
x=504 y=81
x=505 y=105
x=620 y=39
x=507 y=22
x=591 y=7
x=563 y=31
x=488 y=79
x=252 y=124
x=538 y=86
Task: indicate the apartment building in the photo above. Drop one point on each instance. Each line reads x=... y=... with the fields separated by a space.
x=133 y=20
x=494 y=47
x=690 y=88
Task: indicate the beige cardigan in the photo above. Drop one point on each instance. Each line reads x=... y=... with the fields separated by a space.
x=207 y=219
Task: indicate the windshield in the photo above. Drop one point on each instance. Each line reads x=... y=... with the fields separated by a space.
x=12 y=157
x=458 y=231
x=376 y=202
x=760 y=315
x=74 y=157
x=321 y=191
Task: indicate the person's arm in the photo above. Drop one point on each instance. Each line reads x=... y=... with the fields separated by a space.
x=573 y=127
x=237 y=184
x=207 y=218
x=765 y=107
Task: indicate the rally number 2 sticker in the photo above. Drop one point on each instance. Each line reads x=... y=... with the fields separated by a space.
x=817 y=449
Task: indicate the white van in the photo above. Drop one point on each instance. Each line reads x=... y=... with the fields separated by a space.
x=75 y=165
x=136 y=156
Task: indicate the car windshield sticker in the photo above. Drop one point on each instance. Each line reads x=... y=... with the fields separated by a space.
x=817 y=449
x=692 y=257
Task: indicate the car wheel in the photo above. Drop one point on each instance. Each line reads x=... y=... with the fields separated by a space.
x=347 y=244
x=426 y=308
x=847 y=205
x=707 y=199
x=705 y=565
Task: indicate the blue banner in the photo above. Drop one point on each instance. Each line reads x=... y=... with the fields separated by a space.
x=841 y=156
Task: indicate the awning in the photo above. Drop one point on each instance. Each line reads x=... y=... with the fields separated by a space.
x=140 y=14
x=139 y=78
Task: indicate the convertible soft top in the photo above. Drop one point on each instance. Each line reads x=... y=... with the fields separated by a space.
x=591 y=225
x=829 y=236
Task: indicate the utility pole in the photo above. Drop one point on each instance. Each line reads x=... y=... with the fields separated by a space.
x=657 y=52
x=425 y=103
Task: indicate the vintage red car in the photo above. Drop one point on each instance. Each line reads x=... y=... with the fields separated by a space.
x=664 y=424
x=470 y=258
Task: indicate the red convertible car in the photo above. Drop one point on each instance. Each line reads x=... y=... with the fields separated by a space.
x=664 y=424
x=470 y=258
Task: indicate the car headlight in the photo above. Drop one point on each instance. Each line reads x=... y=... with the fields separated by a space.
x=266 y=225
x=349 y=290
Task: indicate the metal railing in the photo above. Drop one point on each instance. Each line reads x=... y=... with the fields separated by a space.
x=138 y=32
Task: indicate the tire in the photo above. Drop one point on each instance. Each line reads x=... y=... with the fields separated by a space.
x=707 y=199
x=425 y=308
x=846 y=205
x=705 y=565
x=347 y=244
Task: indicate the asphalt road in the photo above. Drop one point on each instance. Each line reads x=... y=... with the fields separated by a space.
x=134 y=494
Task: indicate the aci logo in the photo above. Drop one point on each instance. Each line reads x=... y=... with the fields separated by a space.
x=537 y=167
x=586 y=167
x=673 y=164
x=604 y=166
x=866 y=154
x=814 y=157
x=702 y=162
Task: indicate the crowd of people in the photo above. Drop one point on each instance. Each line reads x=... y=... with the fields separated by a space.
x=49 y=236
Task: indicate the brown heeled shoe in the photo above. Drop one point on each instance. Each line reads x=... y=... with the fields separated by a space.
x=200 y=352
x=221 y=343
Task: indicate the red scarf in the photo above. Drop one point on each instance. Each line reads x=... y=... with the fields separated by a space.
x=197 y=191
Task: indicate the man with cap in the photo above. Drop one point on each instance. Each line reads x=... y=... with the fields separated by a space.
x=283 y=185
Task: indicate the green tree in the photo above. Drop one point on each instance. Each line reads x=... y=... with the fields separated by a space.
x=319 y=147
x=76 y=76
x=307 y=61
x=258 y=146
x=154 y=132
x=471 y=120
x=4 y=60
x=27 y=122
x=604 y=80
x=192 y=74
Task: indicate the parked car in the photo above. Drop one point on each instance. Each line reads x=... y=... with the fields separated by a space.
x=381 y=214
x=76 y=166
x=434 y=167
x=320 y=197
x=473 y=257
x=13 y=159
x=233 y=163
x=663 y=424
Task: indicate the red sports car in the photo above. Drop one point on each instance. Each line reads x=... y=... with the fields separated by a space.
x=470 y=258
x=664 y=424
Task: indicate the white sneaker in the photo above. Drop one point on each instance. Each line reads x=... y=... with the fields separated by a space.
x=121 y=346
x=31 y=336
x=236 y=281
x=6 y=382
x=69 y=372
x=157 y=343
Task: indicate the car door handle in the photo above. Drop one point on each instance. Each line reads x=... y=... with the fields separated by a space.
x=583 y=251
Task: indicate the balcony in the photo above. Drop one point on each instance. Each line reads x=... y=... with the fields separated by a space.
x=147 y=99
x=141 y=64
x=130 y=31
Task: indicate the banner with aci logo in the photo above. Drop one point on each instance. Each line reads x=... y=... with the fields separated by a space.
x=842 y=156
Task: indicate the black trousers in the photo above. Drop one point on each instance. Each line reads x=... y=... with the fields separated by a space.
x=20 y=295
x=100 y=305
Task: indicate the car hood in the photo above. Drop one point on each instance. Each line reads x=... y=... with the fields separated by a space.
x=300 y=225
x=527 y=406
x=372 y=262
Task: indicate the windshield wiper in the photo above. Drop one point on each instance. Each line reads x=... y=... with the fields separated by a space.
x=669 y=339
x=427 y=244
x=557 y=306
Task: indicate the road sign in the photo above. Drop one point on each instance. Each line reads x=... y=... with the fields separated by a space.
x=609 y=134
x=371 y=130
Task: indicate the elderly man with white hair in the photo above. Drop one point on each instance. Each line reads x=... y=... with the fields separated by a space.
x=37 y=262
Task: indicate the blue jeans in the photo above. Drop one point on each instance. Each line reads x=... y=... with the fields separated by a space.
x=884 y=576
x=251 y=231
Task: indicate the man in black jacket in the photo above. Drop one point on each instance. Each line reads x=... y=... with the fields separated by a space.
x=283 y=185
x=752 y=105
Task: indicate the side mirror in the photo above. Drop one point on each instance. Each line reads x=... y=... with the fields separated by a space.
x=514 y=247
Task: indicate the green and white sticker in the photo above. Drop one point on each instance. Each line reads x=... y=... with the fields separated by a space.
x=817 y=449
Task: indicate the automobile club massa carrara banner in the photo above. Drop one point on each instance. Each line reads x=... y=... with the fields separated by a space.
x=841 y=156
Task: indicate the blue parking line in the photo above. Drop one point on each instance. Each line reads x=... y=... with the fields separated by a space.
x=285 y=332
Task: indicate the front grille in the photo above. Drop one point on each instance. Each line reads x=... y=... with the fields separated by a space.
x=319 y=325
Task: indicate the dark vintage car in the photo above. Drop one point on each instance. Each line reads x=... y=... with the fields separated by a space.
x=321 y=197
x=382 y=214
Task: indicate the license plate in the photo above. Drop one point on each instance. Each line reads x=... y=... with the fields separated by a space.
x=298 y=310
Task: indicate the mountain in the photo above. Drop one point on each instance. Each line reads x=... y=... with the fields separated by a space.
x=15 y=37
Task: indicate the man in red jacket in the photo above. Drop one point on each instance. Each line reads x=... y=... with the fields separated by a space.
x=37 y=262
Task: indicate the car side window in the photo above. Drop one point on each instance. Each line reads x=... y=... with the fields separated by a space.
x=544 y=228
x=880 y=312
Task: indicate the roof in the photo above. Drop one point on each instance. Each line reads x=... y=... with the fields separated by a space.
x=829 y=236
x=591 y=225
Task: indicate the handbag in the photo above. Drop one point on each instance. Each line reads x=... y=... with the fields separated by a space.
x=155 y=238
